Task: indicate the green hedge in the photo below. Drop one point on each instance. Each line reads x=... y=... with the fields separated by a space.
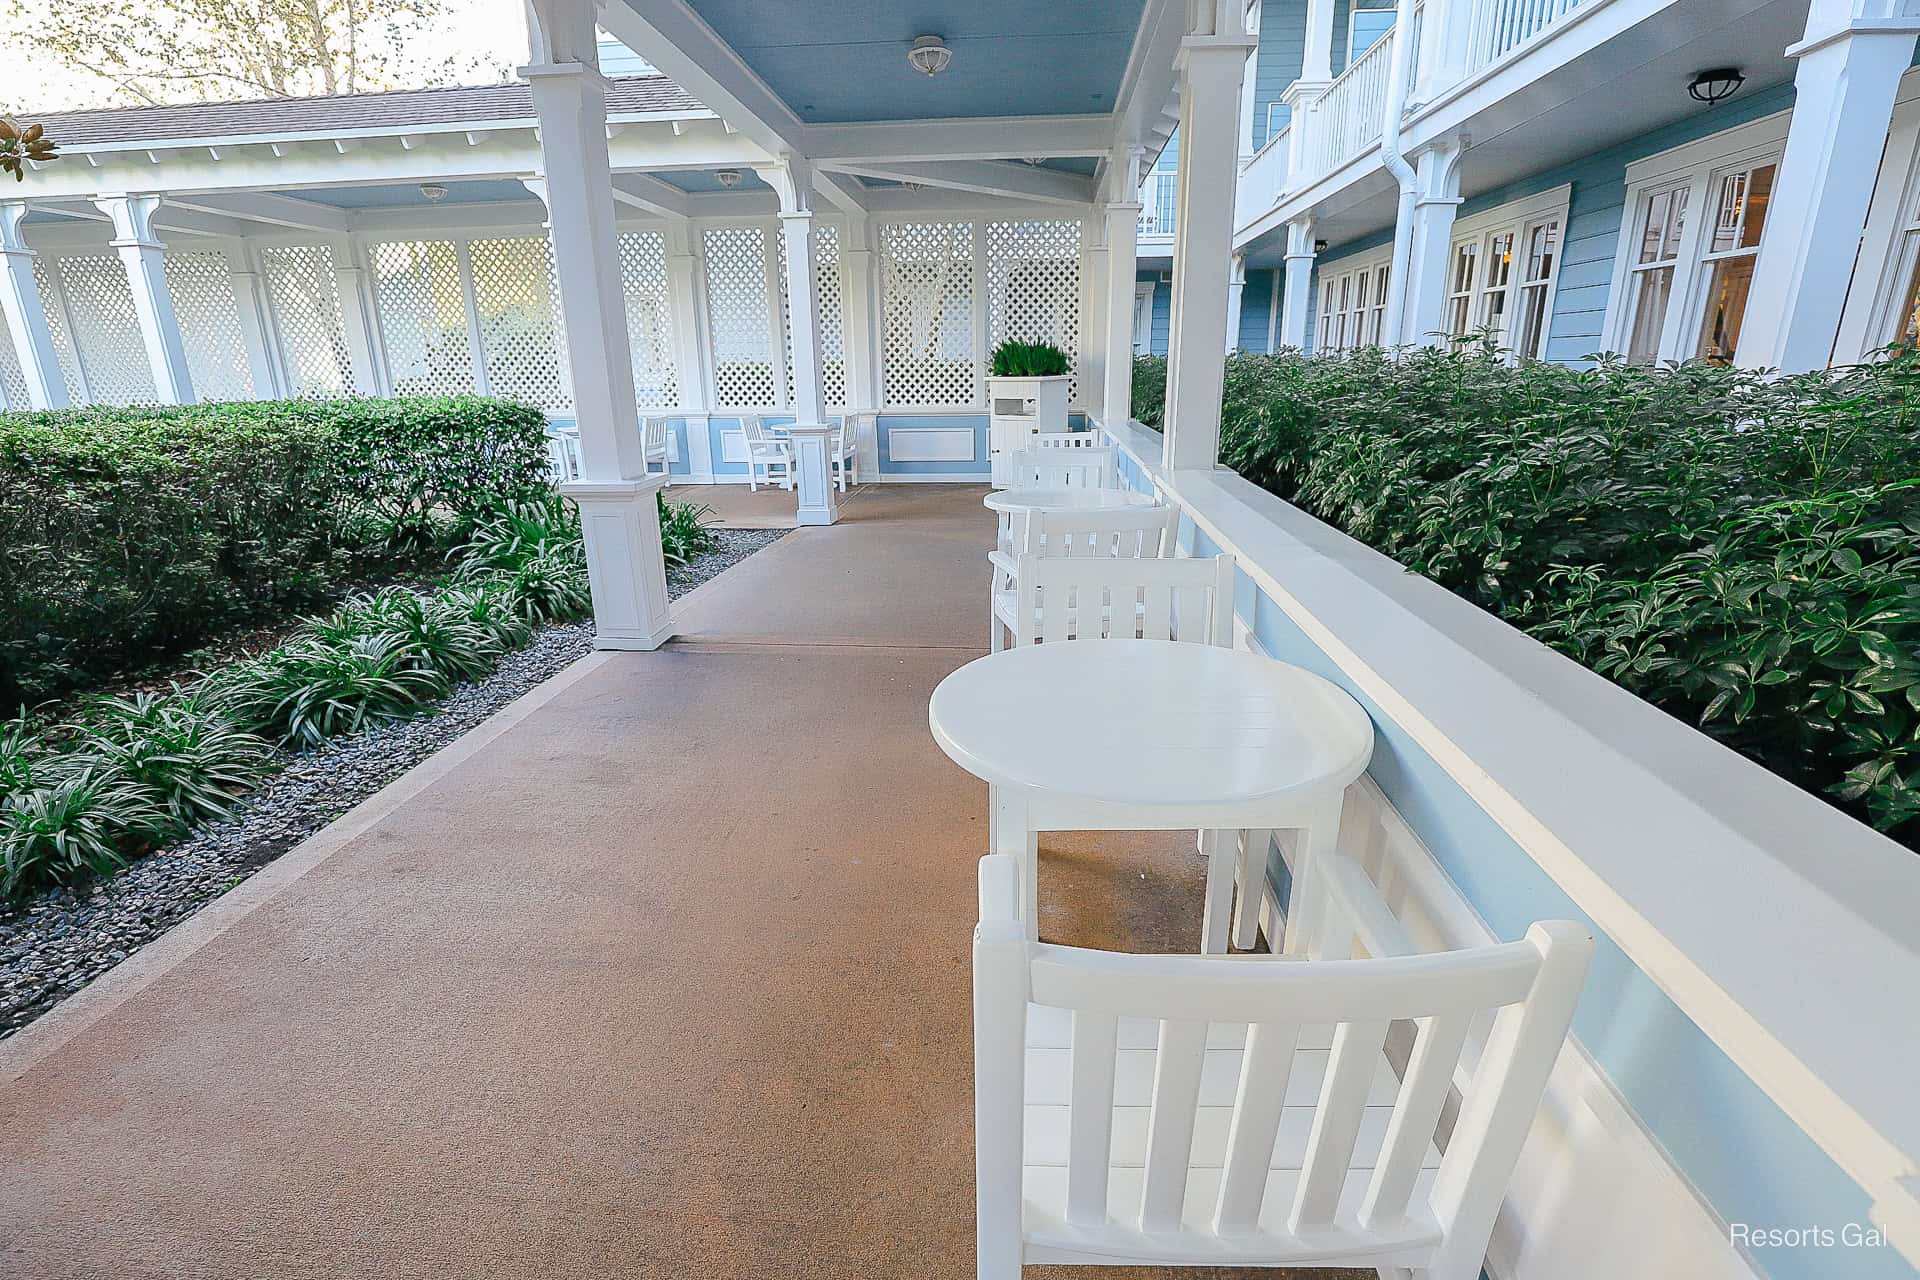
x=129 y=534
x=1742 y=551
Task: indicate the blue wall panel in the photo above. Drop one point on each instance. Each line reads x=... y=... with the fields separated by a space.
x=1256 y=305
x=1283 y=44
x=977 y=421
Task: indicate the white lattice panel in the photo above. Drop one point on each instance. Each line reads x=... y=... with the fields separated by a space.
x=12 y=381
x=51 y=302
x=520 y=336
x=740 y=318
x=1033 y=285
x=643 y=283
x=304 y=295
x=423 y=317
x=106 y=330
x=827 y=288
x=927 y=339
x=201 y=285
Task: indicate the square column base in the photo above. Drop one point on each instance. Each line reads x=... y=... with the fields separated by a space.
x=620 y=522
x=813 y=472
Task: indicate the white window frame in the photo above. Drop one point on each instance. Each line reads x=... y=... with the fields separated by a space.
x=1143 y=317
x=1340 y=284
x=1697 y=166
x=1890 y=244
x=1516 y=218
x=1353 y=11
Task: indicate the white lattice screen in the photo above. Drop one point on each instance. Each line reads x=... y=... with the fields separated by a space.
x=305 y=297
x=1033 y=285
x=201 y=285
x=739 y=318
x=643 y=283
x=52 y=303
x=423 y=317
x=827 y=289
x=520 y=336
x=12 y=381
x=928 y=352
x=106 y=331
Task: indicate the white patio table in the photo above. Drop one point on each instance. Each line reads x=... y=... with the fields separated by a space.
x=1135 y=735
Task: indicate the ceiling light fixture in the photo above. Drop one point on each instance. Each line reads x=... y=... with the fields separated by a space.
x=727 y=177
x=433 y=191
x=929 y=55
x=1715 y=86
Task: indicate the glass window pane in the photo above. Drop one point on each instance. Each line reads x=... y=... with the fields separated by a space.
x=1368 y=26
x=1909 y=318
x=1727 y=209
x=1650 y=290
x=1759 y=187
x=1533 y=321
x=1542 y=242
x=1500 y=261
x=1727 y=290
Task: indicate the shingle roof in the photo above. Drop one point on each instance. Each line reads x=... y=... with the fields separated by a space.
x=346 y=112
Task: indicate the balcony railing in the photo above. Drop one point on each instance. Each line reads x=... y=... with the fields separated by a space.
x=1497 y=27
x=1346 y=119
x=1264 y=177
x=1157 y=205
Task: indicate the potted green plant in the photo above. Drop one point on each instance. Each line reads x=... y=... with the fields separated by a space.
x=1026 y=395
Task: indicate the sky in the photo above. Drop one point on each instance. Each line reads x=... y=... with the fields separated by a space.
x=29 y=82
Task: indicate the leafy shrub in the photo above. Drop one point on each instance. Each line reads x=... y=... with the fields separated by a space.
x=683 y=530
x=77 y=826
x=315 y=690
x=1028 y=360
x=185 y=753
x=1743 y=551
x=133 y=533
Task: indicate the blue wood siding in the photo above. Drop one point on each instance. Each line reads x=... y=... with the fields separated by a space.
x=1277 y=63
x=1256 y=304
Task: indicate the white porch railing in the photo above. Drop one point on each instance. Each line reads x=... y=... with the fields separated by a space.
x=1346 y=119
x=1497 y=27
x=1157 y=205
x=1264 y=177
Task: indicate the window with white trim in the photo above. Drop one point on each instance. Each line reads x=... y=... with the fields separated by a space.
x=1353 y=304
x=1501 y=272
x=1694 y=220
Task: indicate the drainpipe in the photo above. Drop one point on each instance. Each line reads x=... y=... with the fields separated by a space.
x=1398 y=71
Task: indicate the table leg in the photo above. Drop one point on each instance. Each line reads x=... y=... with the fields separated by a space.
x=1251 y=876
x=1319 y=840
x=1011 y=834
x=1222 y=852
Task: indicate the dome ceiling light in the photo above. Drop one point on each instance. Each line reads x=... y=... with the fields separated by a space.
x=929 y=55
x=727 y=177
x=1715 y=86
x=433 y=191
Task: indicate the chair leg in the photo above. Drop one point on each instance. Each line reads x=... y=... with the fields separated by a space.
x=1250 y=878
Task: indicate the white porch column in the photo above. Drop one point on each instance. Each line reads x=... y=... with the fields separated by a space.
x=1296 y=301
x=359 y=322
x=1122 y=213
x=616 y=496
x=250 y=303
x=1212 y=61
x=1316 y=59
x=1093 y=354
x=1236 y=294
x=145 y=260
x=26 y=317
x=1851 y=62
x=860 y=335
x=810 y=433
x=689 y=343
x=1437 y=199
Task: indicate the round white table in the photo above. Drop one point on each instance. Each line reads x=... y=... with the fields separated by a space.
x=1023 y=501
x=1126 y=735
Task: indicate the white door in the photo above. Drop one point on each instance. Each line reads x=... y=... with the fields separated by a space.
x=1142 y=319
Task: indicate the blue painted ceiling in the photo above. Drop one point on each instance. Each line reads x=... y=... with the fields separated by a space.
x=407 y=195
x=839 y=60
x=703 y=180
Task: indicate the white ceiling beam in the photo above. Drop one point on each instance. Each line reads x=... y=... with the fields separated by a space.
x=986 y=177
x=676 y=40
x=843 y=191
x=993 y=138
x=1151 y=83
x=649 y=194
x=267 y=209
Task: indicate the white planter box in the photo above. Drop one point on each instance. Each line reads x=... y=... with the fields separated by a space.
x=1017 y=409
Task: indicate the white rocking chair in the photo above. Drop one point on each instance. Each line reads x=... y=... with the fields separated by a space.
x=1054 y=468
x=1130 y=533
x=1111 y=598
x=845 y=454
x=1216 y=1111
x=655 y=431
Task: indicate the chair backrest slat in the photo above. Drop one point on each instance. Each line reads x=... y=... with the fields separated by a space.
x=1176 y=1092
x=1090 y=1125
x=1256 y=1123
x=1336 y=1121
x=1064 y=440
x=1416 y=1114
x=1063 y=468
x=1129 y=533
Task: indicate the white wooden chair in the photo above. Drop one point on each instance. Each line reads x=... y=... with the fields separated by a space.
x=655 y=431
x=765 y=452
x=563 y=453
x=1058 y=599
x=1065 y=440
x=1130 y=533
x=845 y=447
x=1049 y=468
x=1225 y=1111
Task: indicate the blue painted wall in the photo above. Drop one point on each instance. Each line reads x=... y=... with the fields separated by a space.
x=1256 y=304
x=977 y=421
x=1283 y=44
x=1749 y=1162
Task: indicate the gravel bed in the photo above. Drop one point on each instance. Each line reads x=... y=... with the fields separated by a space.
x=53 y=945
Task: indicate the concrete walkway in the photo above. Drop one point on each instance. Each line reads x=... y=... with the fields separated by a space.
x=661 y=973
